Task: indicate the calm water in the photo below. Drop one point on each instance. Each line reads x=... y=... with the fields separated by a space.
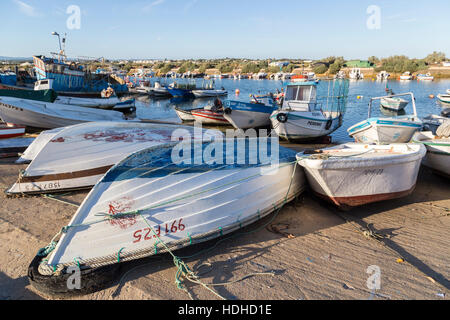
x=357 y=109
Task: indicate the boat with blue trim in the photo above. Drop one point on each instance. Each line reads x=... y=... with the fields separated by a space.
x=254 y=114
x=305 y=115
x=385 y=130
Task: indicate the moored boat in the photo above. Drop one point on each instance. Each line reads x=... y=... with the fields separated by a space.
x=210 y=115
x=245 y=115
x=355 y=174
x=208 y=93
x=303 y=116
x=444 y=98
x=432 y=122
x=393 y=103
x=425 y=77
x=438 y=151
x=9 y=130
x=51 y=115
x=186 y=115
x=148 y=204
x=386 y=130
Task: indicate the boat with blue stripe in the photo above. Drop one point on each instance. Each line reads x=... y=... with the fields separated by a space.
x=385 y=130
x=254 y=114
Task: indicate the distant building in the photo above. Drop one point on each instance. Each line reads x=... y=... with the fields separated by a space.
x=446 y=64
x=359 y=64
x=279 y=64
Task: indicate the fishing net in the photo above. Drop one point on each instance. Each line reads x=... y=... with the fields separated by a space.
x=333 y=95
x=444 y=130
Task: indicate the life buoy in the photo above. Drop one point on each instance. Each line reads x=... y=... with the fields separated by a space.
x=328 y=125
x=282 y=117
x=227 y=111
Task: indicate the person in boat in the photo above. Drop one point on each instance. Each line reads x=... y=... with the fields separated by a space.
x=218 y=106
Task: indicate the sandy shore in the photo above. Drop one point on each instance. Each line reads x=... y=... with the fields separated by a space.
x=326 y=255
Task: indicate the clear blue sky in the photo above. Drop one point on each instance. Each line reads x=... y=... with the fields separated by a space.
x=178 y=29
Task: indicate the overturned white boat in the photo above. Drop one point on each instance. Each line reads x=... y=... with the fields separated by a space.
x=35 y=147
x=438 y=151
x=12 y=147
x=385 y=130
x=77 y=157
x=354 y=174
x=151 y=202
x=51 y=115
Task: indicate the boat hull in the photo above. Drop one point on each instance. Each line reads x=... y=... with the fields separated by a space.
x=209 y=93
x=438 y=152
x=350 y=182
x=8 y=131
x=244 y=115
x=303 y=126
x=393 y=104
x=210 y=117
x=204 y=202
x=384 y=131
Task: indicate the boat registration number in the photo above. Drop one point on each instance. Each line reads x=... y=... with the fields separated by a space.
x=43 y=186
x=147 y=234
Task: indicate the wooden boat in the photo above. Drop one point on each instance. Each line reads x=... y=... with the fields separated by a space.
x=36 y=146
x=386 y=130
x=438 y=151
x=186 y=115
x=394 y=103
x=8 y=130
x=354 y=174
x=13 y=147
x=77 y=157
x=433 y=122
x=210 y=116
x=51 y=115
x=182 y=202
x=303 y=117
x=244 y=115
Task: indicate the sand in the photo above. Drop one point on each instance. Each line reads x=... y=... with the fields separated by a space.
x=325 y=256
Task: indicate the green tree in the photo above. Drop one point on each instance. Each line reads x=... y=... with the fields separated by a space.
x=320 y=69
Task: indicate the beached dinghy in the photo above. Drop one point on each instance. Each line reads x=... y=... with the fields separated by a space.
x=385 y=130
x=78 y=156
x=8 y=130
x=182 y=202
x=12 y=147
x=51 y=115
x=244 y=115
x=102 y=103
x=354 y=174
x=438 y=151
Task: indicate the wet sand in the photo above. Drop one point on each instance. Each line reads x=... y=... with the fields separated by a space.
x=325 y=256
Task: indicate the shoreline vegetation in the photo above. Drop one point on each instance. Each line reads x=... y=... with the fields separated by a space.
x=323 y=68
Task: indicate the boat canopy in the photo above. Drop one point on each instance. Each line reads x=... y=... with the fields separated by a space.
x=300 y=96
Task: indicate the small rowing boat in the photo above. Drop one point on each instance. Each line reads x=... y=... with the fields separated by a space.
x=395 y=104
x=354 y=174
x=186 y=115
x=210 y=115
x=10 y=148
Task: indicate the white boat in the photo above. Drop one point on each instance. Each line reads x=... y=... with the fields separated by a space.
x=393 y=103
x=14 y=146
x=186 y=115
x=160 y=91
x=38 y=143
x=9 y=130
x=383 y=76
x=208 y=93
x=444 y=98
x=244 y=115
x=448 y=91
x=210 y=116
x=406 y=76
x=433 y=122
x=78 y=156
x=438 y=151
x=354 y=174
x=103 y=103
x=356 y=74
x=386 y=130
x=147 y=203
x=303 y=117
x=51 y=115
x=425 y=77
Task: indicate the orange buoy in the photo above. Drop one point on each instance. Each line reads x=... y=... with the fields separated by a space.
x=238 y=92
x=431 y=96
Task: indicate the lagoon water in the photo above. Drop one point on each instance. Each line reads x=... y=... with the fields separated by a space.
x=357 y=109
